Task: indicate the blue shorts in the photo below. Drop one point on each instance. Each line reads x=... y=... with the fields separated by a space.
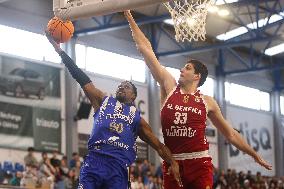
x=102 y=172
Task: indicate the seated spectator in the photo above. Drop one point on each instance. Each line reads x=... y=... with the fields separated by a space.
x=46 y=170
x=64 y=166
x=75 y=157
x=1 y=176
x=76 y=170
x=150 y=182
x=247 y=184
x=30 y=159
x=7 y=177
x=138 y=183
x=159 y=172
x=55 y=162
x=30 y=177
x=145 y=167
x=16 y=180
x=70 y=181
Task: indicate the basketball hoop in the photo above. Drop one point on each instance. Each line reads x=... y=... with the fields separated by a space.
x=189 y=17
x=79 y=9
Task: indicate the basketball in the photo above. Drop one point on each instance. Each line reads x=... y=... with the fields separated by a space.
x=60 y=30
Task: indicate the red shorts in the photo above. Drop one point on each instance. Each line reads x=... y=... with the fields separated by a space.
x=195 y=174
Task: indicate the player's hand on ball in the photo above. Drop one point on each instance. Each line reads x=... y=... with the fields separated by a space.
x=52 y=41
x=174 y=169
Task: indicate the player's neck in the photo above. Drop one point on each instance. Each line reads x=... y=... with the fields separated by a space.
x=188 y=89
x=128 y=103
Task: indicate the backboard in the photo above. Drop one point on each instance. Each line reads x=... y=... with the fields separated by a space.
x=77 y=9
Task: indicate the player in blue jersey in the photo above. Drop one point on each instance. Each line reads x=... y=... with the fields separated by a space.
x=117 y=123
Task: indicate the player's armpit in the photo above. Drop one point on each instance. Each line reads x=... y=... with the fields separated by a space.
x=94 y=94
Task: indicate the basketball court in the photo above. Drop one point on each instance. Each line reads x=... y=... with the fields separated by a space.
x=241 y=42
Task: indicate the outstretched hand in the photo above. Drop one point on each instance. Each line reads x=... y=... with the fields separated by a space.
x=53 y=42
x=174 y=168
x=128 y=14
x=262 y=162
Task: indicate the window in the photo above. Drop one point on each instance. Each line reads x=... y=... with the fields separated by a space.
x=111 y=64
x=260 y=23
x=26 y=44
x=207 y=88
x=282 y=104
x=81 y=55
x=247 y=97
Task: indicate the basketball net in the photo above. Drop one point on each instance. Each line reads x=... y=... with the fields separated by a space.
x=189 y=17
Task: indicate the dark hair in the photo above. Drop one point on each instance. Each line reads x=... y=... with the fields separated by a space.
x=74 y=154
x=43 y=153
x=31 y=149
x=199 y=68
x=134 y=88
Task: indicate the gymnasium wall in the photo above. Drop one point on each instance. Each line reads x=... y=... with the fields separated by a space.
x=257 y=128
x=31 y=117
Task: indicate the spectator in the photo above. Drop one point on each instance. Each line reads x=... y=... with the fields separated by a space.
x=150 y=183
x=7 y=177
x=229 y=177
x=70 y=181
x=30 y=177
x=47 y=171
x=75 y=157
x=64 y=166
x=30 y=159
x=247 y=184
x=241 y=178
x=55 y=162
x=145 y=167
x=16 y=180
x=77 y=170
x=138 y=183
x=159 y=172
x=160 y=183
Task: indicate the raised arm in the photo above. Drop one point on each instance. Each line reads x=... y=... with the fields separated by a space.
x=160 y=74
x=146 y=134
x=95 y=95
x=232 y=135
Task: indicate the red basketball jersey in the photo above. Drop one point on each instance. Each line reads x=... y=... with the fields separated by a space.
x=183 y=119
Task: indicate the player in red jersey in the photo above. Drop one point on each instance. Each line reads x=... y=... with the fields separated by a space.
x=183 y=117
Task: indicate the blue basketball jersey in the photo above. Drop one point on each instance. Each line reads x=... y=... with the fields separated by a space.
x=115 y=130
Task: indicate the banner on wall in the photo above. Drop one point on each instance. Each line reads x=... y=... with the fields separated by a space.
x=15 y=126
x=257 y=129
x=211 y=136
x=15 y=120
x=30 y=105
x=47 y=129
x=24 y=126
